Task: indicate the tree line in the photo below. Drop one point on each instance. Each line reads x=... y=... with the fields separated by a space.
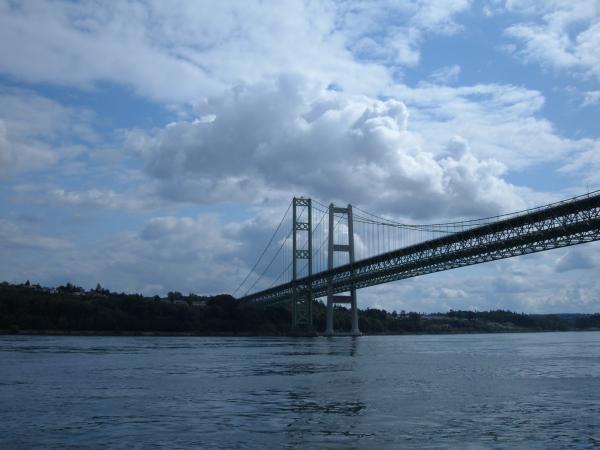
x=70 y=308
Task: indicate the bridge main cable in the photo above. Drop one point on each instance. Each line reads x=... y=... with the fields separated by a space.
x=569 y=222
x=262 y=254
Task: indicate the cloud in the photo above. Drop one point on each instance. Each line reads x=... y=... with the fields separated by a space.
x=446 y=74
x=391 y=32
x=96 y=198
x=15 y=237
x=185 y=235
x=81 y=43
x=201 y=50
x=591 y=98
x=49 y=195
x=585 y=166
x=292 y=136
x=36 y=132
x=202 y=254
x=497 y=120
x=167 y=253
x=573 y=260
x=559 y=35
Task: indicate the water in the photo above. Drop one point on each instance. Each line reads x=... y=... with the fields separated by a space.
x=469 y=391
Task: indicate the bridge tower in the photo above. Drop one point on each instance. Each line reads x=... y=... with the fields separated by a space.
x=344 y=248
x=302 y=318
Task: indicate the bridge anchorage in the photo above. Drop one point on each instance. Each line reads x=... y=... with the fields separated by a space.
x=345 y=250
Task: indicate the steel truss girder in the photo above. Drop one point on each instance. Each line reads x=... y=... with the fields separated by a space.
x=566 y=224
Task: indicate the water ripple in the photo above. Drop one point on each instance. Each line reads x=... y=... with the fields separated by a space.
x=476 y=391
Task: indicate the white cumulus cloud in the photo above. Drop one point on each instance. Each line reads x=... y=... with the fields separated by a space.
x=291 y=136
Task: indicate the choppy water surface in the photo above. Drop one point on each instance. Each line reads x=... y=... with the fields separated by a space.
x=469 y=391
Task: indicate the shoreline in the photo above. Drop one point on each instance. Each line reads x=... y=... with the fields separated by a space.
x=84 y=333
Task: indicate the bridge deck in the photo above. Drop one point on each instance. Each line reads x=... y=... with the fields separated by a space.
x=568 y=223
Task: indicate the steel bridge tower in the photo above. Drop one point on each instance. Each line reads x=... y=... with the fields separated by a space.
x=344 y=248
x=302 y=295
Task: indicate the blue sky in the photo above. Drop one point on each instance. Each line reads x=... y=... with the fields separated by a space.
x=152 y=146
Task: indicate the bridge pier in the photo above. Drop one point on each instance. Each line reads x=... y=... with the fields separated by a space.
x=344 y=248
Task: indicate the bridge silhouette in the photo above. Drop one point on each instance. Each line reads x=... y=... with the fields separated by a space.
x=326 y=251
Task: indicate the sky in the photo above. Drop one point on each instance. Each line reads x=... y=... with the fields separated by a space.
x=153 y=146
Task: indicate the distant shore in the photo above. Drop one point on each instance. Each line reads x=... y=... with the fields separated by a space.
x=30 y=309
x=84 y=333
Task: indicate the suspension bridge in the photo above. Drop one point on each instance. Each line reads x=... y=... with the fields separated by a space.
x=320 y=250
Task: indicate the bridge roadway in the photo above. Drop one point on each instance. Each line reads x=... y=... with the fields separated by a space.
x=571 y=222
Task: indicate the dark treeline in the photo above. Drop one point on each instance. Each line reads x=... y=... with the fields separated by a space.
x=70 y=308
